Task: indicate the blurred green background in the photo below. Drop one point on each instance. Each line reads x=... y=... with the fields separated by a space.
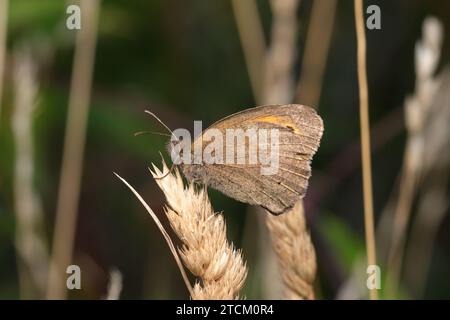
x=184 y=61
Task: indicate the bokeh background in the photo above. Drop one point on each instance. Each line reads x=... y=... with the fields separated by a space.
x=184 y=61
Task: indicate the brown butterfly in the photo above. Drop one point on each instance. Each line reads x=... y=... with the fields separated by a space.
x=299 y=130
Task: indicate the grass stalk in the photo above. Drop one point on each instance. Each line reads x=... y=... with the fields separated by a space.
x=206 y=252
x=295 y=252
x=420 y=119
x=114 y=285
x=251 y=34
x=434 y=199
x=365 y=138
x=3 y=33
x=73 y=153
x=317 y=44
x=279 y=85
x=30 y=244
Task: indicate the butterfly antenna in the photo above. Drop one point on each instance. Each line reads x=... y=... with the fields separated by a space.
x=151 y=132
x=161 y=122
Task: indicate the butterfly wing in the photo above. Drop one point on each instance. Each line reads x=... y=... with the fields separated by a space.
x=300 y=130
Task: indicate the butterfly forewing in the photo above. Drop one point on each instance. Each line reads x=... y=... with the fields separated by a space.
x=299 y=130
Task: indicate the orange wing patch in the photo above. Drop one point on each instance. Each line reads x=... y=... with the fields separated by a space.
x=282 y=121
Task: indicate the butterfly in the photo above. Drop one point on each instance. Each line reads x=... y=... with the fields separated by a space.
x=298 y=131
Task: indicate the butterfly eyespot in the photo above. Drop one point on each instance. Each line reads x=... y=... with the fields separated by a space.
x=291 y=128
